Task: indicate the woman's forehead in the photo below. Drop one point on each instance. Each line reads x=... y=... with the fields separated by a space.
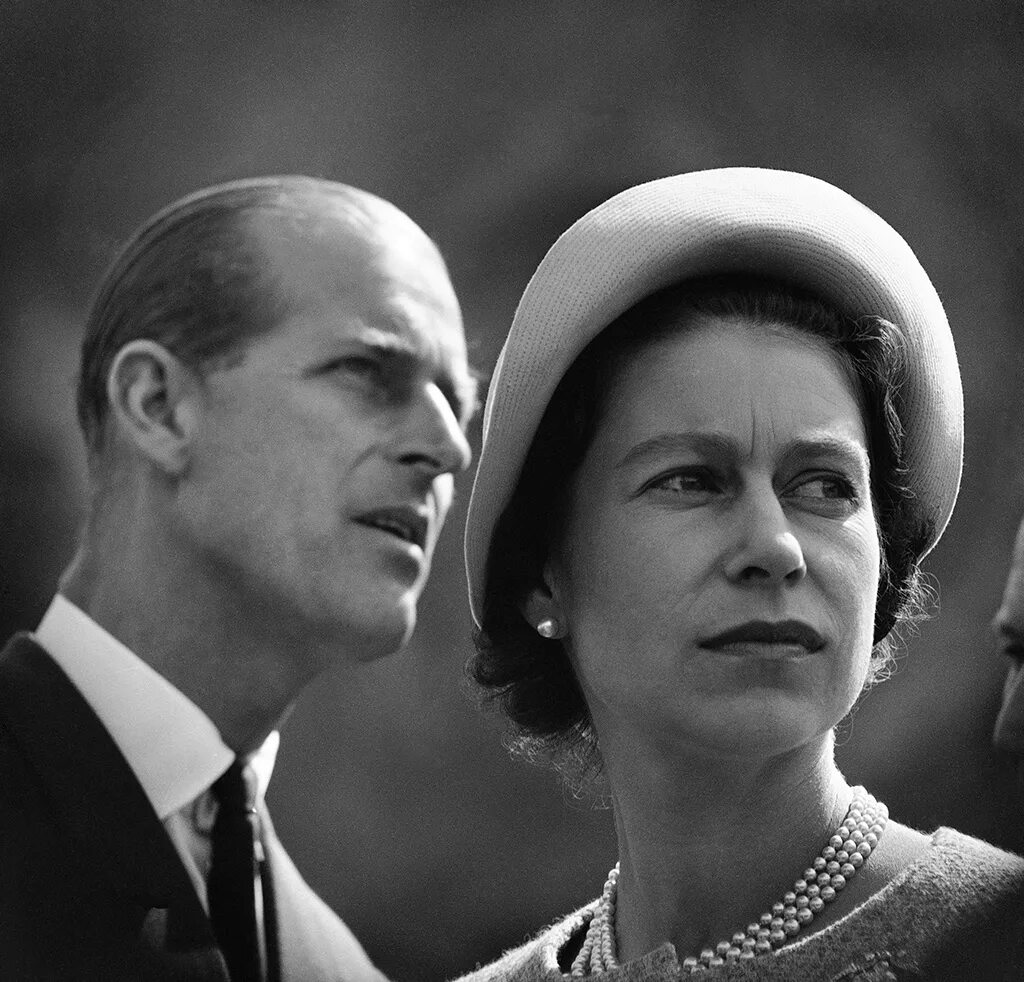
x=711 y=359
x=730 y=385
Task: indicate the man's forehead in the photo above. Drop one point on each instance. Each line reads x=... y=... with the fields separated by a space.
x=343 y=252
x=361 y=271
x=326 y=221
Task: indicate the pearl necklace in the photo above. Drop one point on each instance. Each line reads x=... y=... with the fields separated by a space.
x=821 y=882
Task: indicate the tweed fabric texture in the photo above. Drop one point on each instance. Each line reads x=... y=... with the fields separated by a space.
x=955 y=914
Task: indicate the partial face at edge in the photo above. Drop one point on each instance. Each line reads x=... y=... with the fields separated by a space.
x=728 y=484
x=324 y=468
x=1008 y=625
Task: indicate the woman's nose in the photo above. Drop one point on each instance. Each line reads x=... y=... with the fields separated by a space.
x=767 y=549
x=433 y=436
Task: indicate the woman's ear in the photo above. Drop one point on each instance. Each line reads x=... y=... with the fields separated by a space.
x=154 y=402
x=542 y=610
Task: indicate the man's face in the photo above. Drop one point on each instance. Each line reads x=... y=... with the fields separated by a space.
x=323 y=466
x=1008 y=625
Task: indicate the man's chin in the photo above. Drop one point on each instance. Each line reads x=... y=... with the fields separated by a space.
x=361 y=626
x=385 y=633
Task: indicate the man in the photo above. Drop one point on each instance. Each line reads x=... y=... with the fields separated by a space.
x=1008 y=625
x=273 y=393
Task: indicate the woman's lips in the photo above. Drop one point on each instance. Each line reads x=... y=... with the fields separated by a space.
x=767 y=635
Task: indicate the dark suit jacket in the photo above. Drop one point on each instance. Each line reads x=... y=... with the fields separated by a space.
x=90 y=885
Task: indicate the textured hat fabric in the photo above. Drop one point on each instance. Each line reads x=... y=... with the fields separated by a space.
x=779 y=224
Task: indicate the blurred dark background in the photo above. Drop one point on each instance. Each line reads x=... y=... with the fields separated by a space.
x=494 y=126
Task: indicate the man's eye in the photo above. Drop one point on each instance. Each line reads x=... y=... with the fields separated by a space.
x=365 y=374
x=356 y=365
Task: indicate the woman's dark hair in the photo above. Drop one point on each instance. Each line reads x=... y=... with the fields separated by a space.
x=530 y=677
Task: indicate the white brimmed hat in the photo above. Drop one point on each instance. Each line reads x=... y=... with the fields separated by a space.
x=740 y=219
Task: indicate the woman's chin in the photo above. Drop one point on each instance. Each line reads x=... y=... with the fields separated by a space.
x=756 y=724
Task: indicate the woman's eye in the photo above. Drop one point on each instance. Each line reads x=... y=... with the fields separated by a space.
x=827 y=487
x=684 y=482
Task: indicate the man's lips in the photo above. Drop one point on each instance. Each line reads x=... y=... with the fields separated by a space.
x=406 y=522
x=790 y=633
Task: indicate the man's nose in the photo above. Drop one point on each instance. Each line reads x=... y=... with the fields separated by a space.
x=433 y=436
x=767 y=549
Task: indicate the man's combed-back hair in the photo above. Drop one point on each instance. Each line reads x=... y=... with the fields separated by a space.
x=194 y=280
x=531 y=678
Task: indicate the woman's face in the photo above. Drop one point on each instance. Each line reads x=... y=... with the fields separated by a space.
x=719 y=568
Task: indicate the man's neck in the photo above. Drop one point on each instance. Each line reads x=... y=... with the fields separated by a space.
x=243 y=672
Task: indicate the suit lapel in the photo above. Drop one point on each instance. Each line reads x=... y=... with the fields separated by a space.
x=95 y=794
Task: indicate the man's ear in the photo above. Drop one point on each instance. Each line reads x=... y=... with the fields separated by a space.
x=154 y=402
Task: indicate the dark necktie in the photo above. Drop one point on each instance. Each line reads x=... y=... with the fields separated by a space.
x=234 y=881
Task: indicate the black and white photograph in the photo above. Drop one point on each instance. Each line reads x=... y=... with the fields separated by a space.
x=511 y=492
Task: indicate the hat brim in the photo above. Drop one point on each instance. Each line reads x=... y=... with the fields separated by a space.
x=780 y=224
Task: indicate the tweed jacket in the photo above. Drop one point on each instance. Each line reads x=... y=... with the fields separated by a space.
x=91 y=886
x=956 y=914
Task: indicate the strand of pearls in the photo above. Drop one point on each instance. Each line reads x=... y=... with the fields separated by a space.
x=822 y=881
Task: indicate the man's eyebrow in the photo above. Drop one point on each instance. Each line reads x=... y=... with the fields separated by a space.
x=386 y=343
x=466 y=395
x=376 y=344
x=461 y=390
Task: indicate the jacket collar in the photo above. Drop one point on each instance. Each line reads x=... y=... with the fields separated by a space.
x=94 y=793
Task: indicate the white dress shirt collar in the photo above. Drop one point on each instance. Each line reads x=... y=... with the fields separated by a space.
x=172 y=746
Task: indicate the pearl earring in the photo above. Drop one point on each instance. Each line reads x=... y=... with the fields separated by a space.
x=548 y=628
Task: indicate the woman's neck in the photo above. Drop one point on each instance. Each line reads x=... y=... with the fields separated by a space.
x=706 y=846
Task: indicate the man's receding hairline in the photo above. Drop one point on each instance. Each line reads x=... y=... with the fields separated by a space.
x=228 y=226
x=361 y=212
x=364 y=217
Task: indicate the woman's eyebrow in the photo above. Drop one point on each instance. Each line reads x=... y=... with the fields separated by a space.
x=720 y=445
x=707 y=444
x=848 y=451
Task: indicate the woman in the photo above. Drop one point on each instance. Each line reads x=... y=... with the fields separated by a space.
x=725 y=428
